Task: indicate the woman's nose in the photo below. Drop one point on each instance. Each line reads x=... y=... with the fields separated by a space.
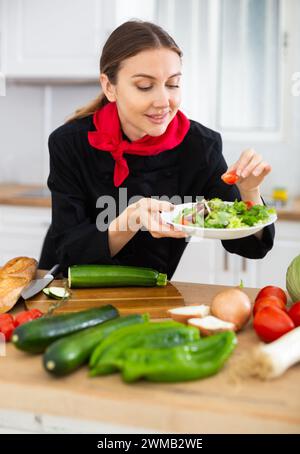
x=161 y=99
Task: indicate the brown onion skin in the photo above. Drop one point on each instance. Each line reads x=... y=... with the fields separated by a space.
x=232 y=305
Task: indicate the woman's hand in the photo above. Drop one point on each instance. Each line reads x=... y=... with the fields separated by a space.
x=146 y=213
x=251 y=170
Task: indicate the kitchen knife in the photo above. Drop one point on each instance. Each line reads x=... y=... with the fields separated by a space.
x=37 y=285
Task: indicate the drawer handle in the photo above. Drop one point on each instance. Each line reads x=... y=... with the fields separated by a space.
x=244 y=264
x=226 y=265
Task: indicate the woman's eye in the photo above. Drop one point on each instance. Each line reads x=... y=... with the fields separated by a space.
x=149 y=88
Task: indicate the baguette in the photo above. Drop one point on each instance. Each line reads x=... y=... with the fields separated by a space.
x=15 y=275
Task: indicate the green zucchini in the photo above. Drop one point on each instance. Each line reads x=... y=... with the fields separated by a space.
x=114 y=276
x=35 y=336
x=67 y=354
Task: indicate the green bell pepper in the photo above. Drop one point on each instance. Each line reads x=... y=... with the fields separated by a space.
x=108 y=356
x=191 y=361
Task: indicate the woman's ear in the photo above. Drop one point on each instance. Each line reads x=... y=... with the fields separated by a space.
x=107 y=87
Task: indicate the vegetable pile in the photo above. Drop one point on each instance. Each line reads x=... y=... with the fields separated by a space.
x=139 y=349
x=222 y=215
x=278 y=326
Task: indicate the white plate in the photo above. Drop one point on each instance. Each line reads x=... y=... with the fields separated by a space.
x=219 y=234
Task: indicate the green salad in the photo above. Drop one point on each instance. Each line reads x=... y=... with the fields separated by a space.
x=218 y=214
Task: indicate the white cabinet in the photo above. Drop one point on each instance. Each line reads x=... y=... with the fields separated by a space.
x=206 y=261
x=272 y=269
x=197 y=263
x=22 y=231
x=54 y=38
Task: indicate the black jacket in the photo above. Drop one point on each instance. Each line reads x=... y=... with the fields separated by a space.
x=79 y=174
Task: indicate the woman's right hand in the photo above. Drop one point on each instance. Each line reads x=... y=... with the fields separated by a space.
x=146 y=213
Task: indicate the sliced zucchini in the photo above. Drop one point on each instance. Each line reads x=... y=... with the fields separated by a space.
x=56 y=292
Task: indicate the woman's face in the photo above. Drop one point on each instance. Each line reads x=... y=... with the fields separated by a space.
x=147 y=92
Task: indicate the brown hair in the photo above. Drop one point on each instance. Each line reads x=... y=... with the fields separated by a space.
x=125 y=41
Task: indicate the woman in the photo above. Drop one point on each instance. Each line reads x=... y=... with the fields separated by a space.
x=133 y=138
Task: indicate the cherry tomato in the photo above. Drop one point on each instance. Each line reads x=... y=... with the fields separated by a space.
x=294 y=313
x=184 y=221
x=260 y=303
x=230 y=177
x=249 y=204
x=271 y=290
x=270 y=323
x=7 y=329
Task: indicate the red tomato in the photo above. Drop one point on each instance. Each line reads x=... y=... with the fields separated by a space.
x=7 y=329
x=184 y=221
x=230 y=177
x=249 y=204
x=6 y=318
x=260 y=303
x=36 y=313
x=27 y=316
x=294 y=313
x=270 y=323
x=271 y=290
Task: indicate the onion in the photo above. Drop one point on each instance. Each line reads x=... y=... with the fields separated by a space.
x=232 y=305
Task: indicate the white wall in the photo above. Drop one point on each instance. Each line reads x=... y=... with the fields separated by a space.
x=283 y=156
x=28 y=113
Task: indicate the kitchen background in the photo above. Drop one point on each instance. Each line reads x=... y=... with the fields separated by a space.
x=241 y=77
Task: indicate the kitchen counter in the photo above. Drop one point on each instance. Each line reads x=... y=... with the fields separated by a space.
x=25 y=195
x=212 y=405
x=36 y=195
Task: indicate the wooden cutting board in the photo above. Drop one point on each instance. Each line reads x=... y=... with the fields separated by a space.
x=128 y=300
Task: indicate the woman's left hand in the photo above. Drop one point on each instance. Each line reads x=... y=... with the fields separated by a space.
x=251 y=170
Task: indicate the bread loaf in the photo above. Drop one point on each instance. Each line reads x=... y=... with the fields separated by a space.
x=15 y=275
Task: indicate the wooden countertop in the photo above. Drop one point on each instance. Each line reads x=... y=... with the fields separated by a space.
x=13 y=194
x=212 y=405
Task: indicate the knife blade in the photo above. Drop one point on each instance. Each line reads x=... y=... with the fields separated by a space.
x=37 y=285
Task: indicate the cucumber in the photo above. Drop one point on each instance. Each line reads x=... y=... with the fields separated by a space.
x=81 y=276
x=67 y=354
x=37 y=335
x=56 y=292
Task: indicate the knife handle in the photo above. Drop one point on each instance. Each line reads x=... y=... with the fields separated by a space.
x=54 y=271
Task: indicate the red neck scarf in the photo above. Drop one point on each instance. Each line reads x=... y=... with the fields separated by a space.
x=108 y=137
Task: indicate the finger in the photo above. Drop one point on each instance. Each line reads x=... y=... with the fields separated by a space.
x=262 y=169
x=160 y=205
x=255 y=161
x=151 y=222
x=166 y=229
x=244 y=160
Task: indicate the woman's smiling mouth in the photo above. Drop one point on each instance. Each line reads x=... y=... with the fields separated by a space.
x=158 y=119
